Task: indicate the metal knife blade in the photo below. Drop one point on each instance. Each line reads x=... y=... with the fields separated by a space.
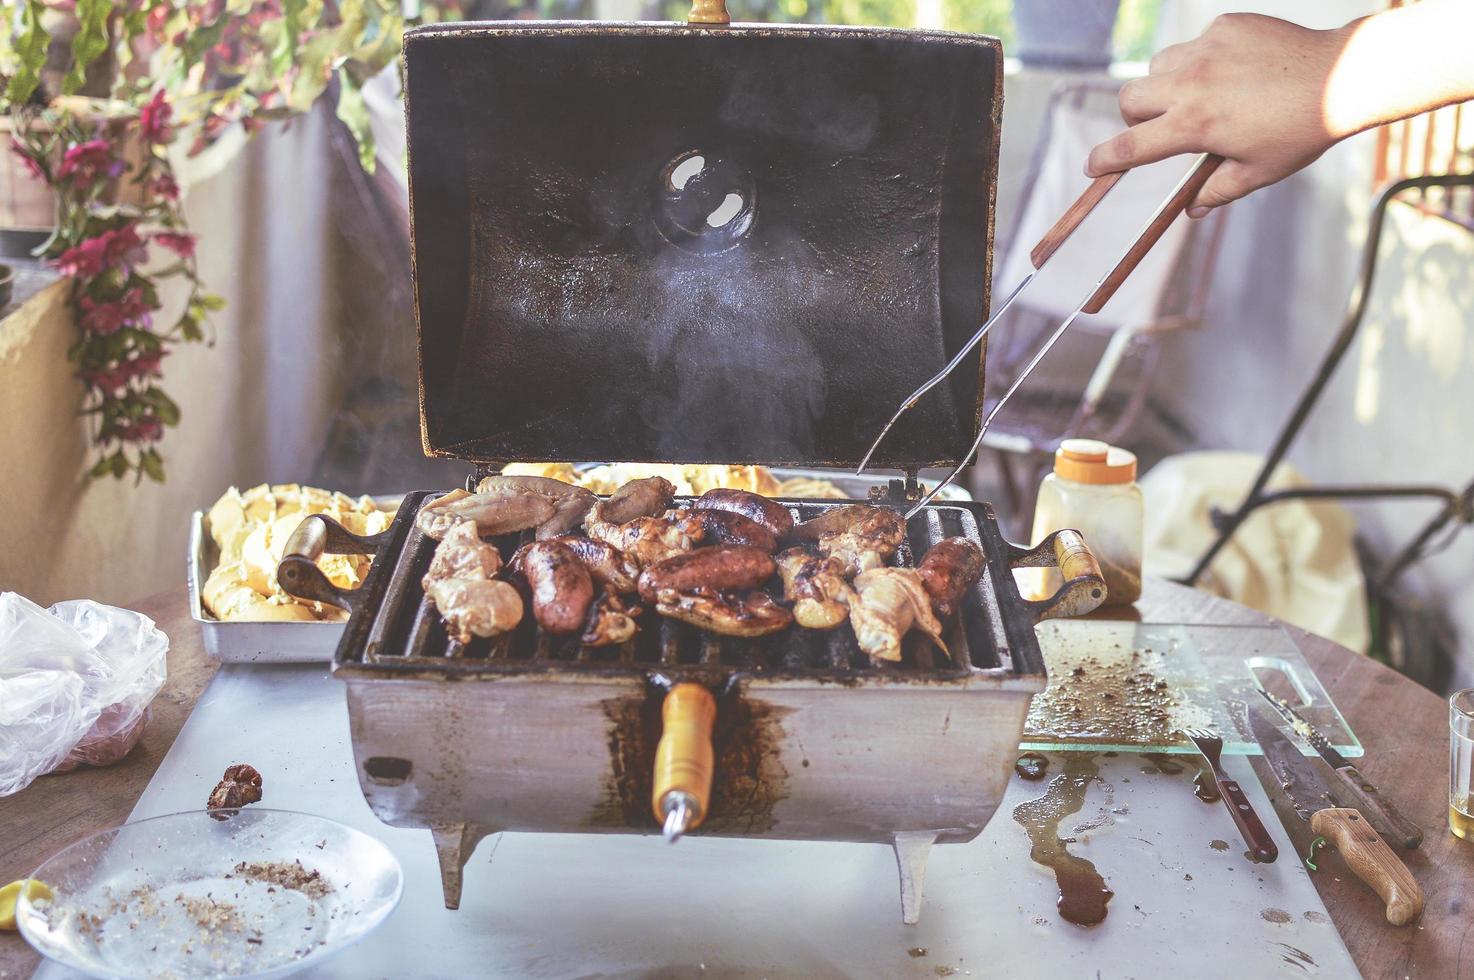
x=1296 y=776
x=1384 y=816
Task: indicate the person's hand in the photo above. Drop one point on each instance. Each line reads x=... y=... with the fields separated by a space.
x=1251 y=89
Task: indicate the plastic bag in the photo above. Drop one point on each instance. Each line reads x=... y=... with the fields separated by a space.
x=76 y=681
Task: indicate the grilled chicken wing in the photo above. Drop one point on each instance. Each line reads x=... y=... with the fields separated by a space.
x=755 y=507
x=861 y=536
x=559 y=584
x=459 y=584
x=483 y=607
x=610 y=622
x=729 y=527
x=648 y=497
x=817 y=588
x=648 y=540
x=490 y=514
x=722 y=569
x=611 y=568
x=950 y=568
x=891 y=602
x=570 y=503
x=728 y=613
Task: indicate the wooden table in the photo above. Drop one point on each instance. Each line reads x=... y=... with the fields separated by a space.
x=1403 y=726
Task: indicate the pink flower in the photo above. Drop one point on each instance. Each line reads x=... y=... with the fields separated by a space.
x=19 y=149
x=108 y=380
x=124 y=248
x=146 y=365
x=146 y=429
x=118 y=247
x=154 y=119
x=181 y=245
x=109 y=316
x=85 y=162
x=164 y=186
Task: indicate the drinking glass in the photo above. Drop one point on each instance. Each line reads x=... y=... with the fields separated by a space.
x=1461 y=764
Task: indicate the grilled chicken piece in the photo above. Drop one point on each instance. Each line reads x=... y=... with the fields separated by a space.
x=723 y=569
x=861 y=536
x=611 y=622
x=571 y=504
x=891 y=602
x=612 y=569
x=728 y=613
x=649 y=540
x=483 y=607
x=817 y=588
x=753 y=506
x=649 y=497
x=559 y=584
x=490 y=514
x=459 y=584
x=950 y=568
x=729 y=527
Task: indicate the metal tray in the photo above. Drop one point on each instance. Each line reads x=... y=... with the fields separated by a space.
x=276 y=643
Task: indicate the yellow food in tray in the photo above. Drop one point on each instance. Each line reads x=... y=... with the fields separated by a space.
x=691 y=479
x=251 y=529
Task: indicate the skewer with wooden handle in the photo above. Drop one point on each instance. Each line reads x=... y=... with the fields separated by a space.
x=684 y=760
x=1372 y=860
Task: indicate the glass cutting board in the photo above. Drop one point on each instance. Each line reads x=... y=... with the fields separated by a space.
x=1132 y=687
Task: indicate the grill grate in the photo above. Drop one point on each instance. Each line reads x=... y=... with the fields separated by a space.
x=407 y=629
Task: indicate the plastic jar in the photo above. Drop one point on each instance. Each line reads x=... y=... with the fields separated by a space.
x=1093 y=489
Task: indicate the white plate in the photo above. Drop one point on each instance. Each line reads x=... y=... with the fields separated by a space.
x=235 y=893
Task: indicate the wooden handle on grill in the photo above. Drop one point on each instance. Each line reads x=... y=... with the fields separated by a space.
x=709 y=12
x=1070 y=220
x=1074 y=558
x=1175 y=205
x=684 y=759
x=1372 y=860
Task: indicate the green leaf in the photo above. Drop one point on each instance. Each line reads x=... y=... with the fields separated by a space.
x=354 y=113
x=91 y=41
x=118 y=464
x=100 y=468
x=164 y=406
x=212 y=302
x=152 y=465
x=30 y=52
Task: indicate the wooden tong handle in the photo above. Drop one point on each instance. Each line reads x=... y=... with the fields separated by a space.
x=1372 y=860
x=1175 y=205
x=1070 y=220
x=684 y=759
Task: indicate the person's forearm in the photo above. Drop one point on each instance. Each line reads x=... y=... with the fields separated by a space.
x=1402 y=62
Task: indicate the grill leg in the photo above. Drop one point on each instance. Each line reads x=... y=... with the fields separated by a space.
x=454 y=844
x=912 y=849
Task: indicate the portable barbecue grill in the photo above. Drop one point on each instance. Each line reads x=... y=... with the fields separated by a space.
x=694 y=243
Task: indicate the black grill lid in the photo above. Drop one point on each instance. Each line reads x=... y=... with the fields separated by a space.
x=587 y=289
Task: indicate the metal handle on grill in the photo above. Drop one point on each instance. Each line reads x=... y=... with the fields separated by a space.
x=684 y=759
x=1084 y=588
x=317 y=535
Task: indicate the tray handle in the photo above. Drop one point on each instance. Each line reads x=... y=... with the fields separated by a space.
x=1084 y=589
x=319 y=535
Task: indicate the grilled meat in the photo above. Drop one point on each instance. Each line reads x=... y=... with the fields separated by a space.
x=817 y=588
x=561 y=588
x=610 y=622
x=649 y=540
x=571 y=504
x=611 y=568
x=462 y=554
x=861 y=536
x=649 y=497
x=755 y=507
x=950 y=568
x=728 y=613
x=721 y=569
x=891 y=602
x=491 y=514
x=728 y=527
x=483 y=607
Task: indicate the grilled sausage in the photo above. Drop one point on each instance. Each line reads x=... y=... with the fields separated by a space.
x=950 y=568
x=561 y=587
x=728 y=613
x=611 y=568
x=648 y=497
x=722 y=569
x=753 y=506
x=729 y=527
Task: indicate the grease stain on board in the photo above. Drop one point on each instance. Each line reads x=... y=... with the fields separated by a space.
x=1218 y=845
x=1083 y=894
x=1277 y=916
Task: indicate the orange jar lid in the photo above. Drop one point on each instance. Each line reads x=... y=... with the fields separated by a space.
x=1091 y=461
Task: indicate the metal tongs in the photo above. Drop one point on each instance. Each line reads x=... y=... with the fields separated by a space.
x=1104 y=289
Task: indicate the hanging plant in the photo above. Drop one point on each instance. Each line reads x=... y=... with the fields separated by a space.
x=189 y=71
